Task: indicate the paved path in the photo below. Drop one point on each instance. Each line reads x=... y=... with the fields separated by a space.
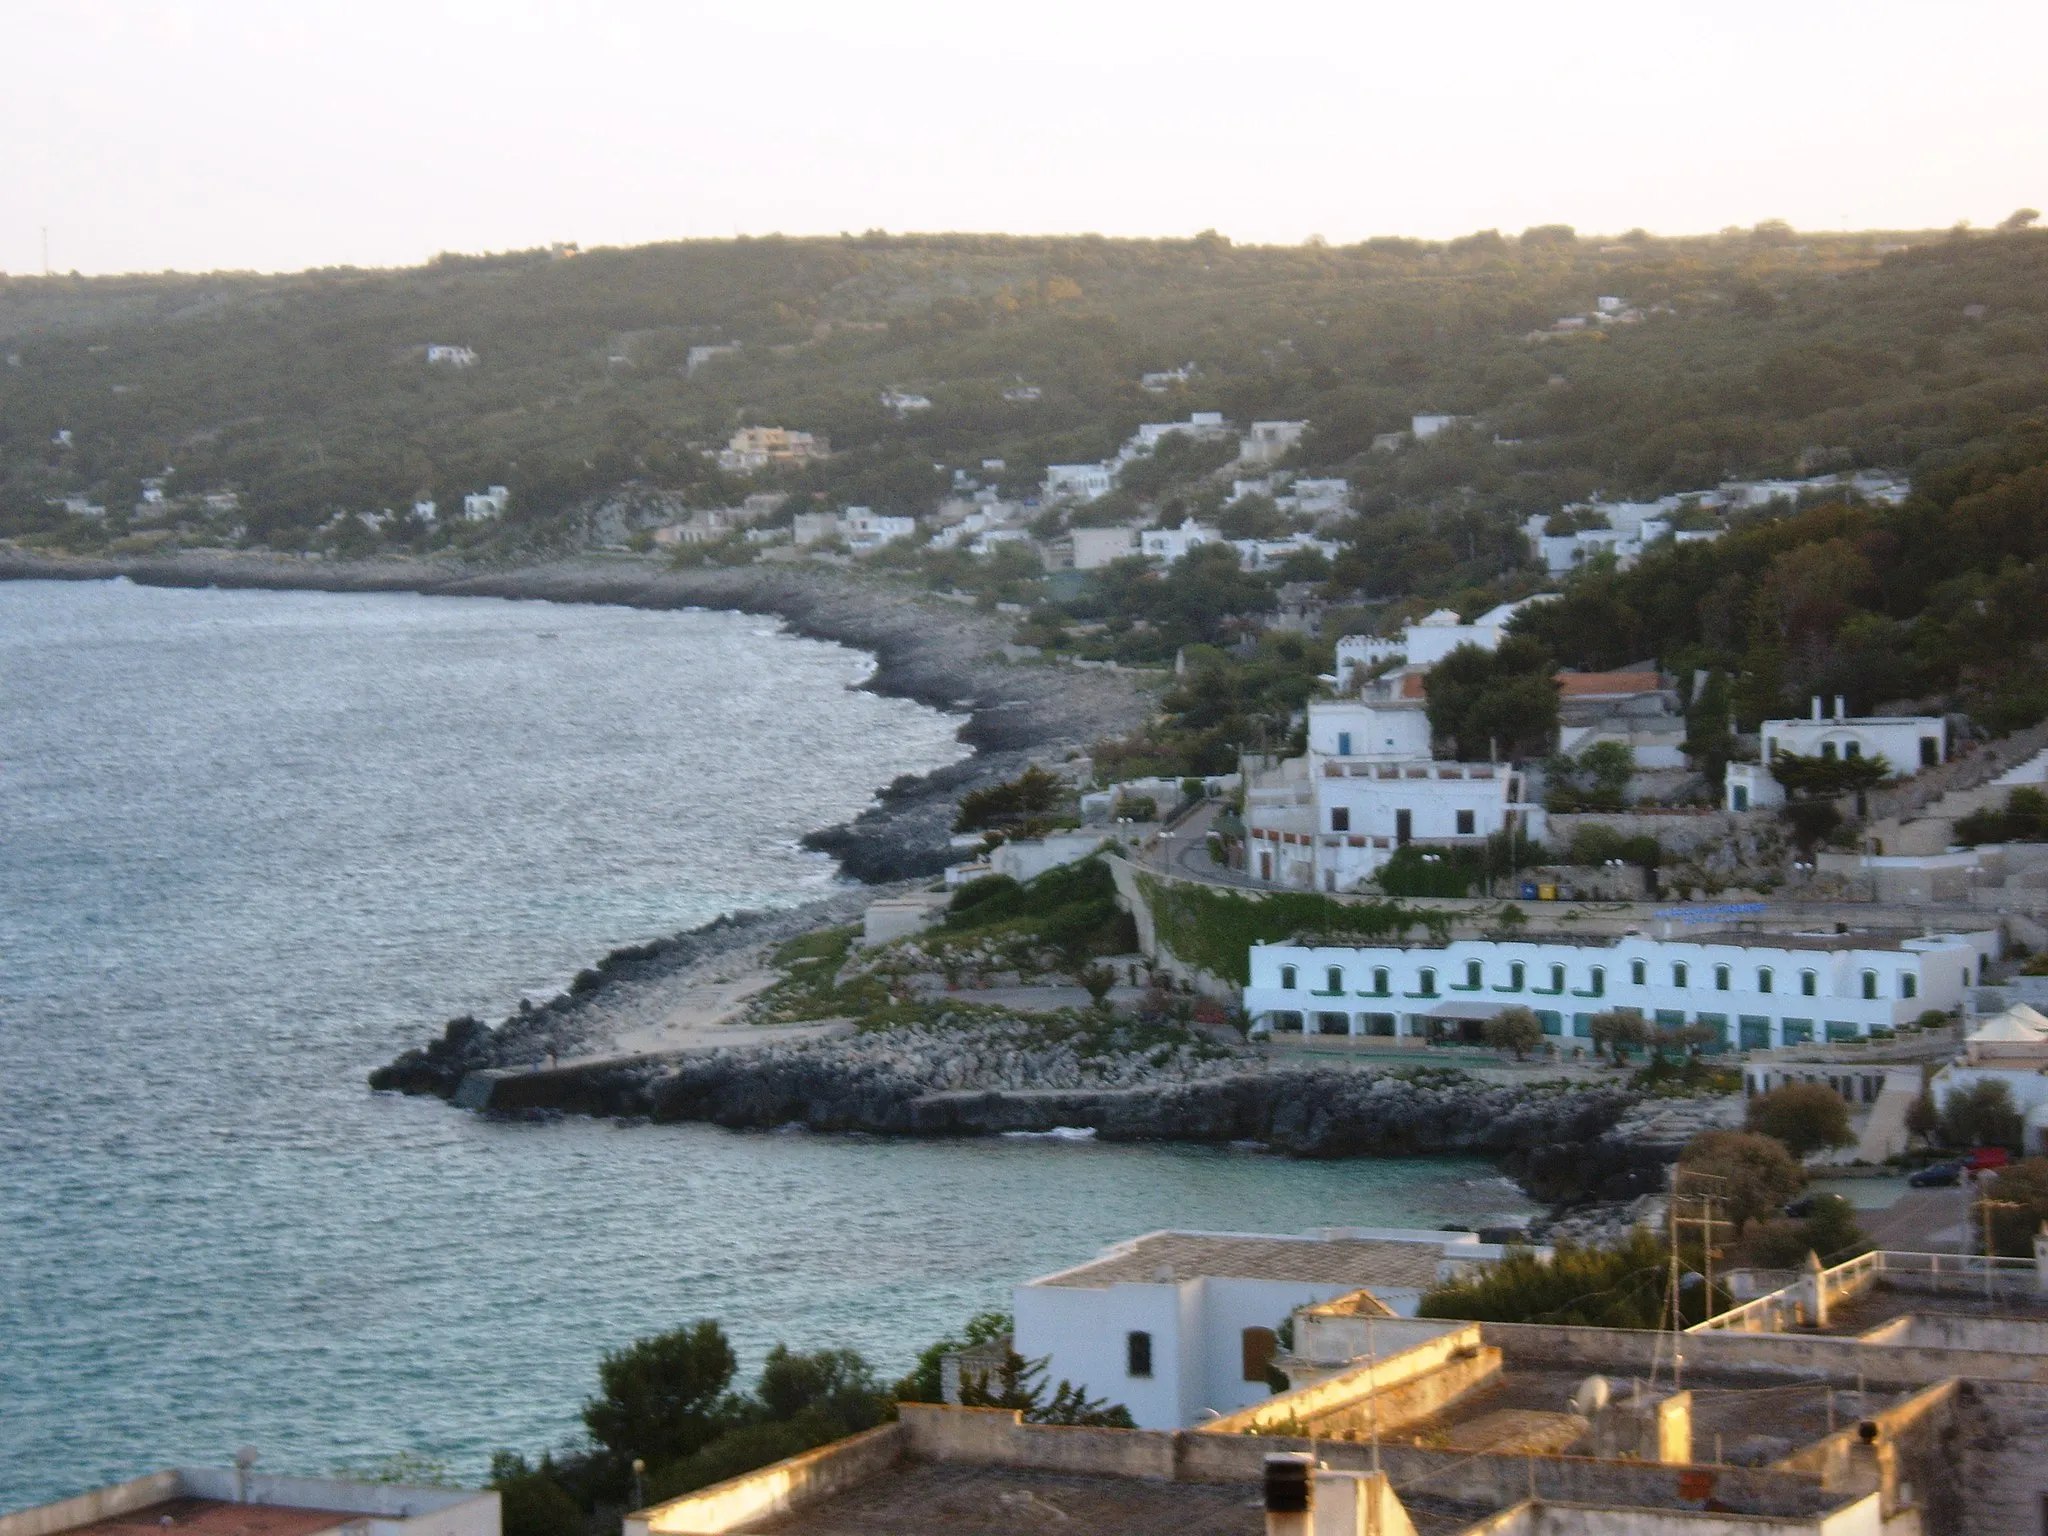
x=1922 y=1221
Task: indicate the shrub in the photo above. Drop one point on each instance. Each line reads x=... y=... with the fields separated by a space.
x=531 y=1503
x=1806 y=1117
x=1621 y=1287
x=1033 y=793
x=1618 y=1031
x=2025 y=1184
x=661 y=1397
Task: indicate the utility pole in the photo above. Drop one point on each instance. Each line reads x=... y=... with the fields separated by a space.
x=46 y=250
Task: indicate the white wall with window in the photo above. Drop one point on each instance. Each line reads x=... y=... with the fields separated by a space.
x=1754 y=991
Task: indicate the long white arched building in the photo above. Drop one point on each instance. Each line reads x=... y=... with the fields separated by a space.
x=1754 y=990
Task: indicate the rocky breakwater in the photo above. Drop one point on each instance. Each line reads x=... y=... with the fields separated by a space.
x=1627 y=1160
x=972 y=1075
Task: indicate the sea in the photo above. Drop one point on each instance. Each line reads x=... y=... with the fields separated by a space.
x=252 y=844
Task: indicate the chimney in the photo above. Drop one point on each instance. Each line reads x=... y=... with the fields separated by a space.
x=1816 y=706
x=1841 y=709
x=1289 y=1499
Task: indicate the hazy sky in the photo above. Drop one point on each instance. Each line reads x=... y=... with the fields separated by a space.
x=280 y=134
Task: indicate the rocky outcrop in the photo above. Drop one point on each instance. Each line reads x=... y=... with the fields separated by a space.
x=886 y=1085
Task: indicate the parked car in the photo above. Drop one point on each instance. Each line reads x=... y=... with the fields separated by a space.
x=1802 y=1208
x=1939 y=1176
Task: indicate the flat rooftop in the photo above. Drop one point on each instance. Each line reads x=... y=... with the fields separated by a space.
x=1168 y=1257
x=969 y=1500
x=216 y=1517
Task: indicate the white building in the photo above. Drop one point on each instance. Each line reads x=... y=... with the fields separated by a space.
x=1077 y=482
x=1094 y=548
x=1318 y=497
x=1171 y=544
x=1424 y=427
x=697 y=357
x=1753 y=990
x=756 y=448
x=1428 y=642
x=866 y=531
x=1267 y=442
x=424 y=509
x=453 y=357
x=1367 y=788
x=808 y=528
x=1907 y=742
x=481 y=506
x=1265 y=554
x=903 y=402
x=1178 y=1326
x=1148 y=437
x=1166 y=379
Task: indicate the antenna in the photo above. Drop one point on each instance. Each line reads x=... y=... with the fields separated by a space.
x=46 y=250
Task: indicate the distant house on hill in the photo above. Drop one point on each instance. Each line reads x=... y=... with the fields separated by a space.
x=755 y=448
x=451 y=356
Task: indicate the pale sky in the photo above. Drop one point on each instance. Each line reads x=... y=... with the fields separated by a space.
x=282 y=134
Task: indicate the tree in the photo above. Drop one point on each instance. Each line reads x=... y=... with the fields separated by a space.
x=1923 y=1119
x=1753 y=1174
x=1595 y=780
x=1824 y=778
x=661 y=1397
x=835 y=1382
x=1020 y=1384
x=1031 y=794
x=2018 y=219
x=532 y=1503
x=2025 y=1184
x=925 y=1382
x=1982 y=1115
x=1501 y=702
x=1806 y=1117
x=1514 y=1029
x=1619 y=1031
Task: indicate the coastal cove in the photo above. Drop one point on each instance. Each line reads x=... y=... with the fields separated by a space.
x=257 y=840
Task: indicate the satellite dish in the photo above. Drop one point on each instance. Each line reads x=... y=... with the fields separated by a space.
x=1590 y=1396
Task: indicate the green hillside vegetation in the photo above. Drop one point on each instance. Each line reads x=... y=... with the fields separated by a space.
x=310 y=393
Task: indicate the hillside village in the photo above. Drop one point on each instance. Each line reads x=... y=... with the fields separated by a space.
x=1643 y=786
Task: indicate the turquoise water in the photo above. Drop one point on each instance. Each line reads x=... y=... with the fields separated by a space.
x=251 y=844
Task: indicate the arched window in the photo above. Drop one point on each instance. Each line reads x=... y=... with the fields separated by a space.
x=1678 y=974
x=1764 y=979
x=1809 y=984
x=1720 y=978
x=1599 y=987
x=1870 y=984
x=1379 y=982
x=1638 y=972
x=1286 y=978
x=1335 y=982
x=1428 y=982
x=1909 y=985
x=1472 y=975
x=1557 y=978
x=1516 y=973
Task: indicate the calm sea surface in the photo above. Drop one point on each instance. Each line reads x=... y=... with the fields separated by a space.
x=252 y=844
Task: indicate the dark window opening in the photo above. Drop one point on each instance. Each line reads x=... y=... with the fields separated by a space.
x=1138 y=1353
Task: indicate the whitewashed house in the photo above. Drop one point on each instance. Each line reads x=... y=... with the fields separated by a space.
x=1429 y=641
x=1181 y=1326
x=1093 y=548
x=451 y=356
x=866 y=530
x=1908 y=743
x=1754 y=990
x=482 y=506
x=1171 y=544
x=1368 y=787
x=1267 y=442
x=1077 y=482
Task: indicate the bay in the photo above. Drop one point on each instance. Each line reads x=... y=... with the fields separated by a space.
x=252 y=844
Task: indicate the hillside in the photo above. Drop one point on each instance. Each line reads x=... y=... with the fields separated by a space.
x=1759 y=352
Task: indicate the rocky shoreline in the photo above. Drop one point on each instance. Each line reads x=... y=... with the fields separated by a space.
x=942 y=654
